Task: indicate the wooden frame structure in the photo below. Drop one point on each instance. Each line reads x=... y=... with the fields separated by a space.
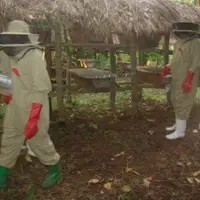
x=112 y=49
x=102 y=19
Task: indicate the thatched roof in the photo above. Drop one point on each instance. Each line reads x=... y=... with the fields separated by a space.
x=143 y=16
x=101 y=17
x=188 y=12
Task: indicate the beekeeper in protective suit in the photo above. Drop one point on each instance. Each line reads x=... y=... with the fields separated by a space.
x=6 y=84
x=184 y=67
x=27 y=115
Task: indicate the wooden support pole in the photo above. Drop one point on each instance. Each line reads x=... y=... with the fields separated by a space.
x=166 y=49
x=59 y=91
x=48 y=59
x=112 y=88
x=133 y=54
x=142 y=61
x=68 y=76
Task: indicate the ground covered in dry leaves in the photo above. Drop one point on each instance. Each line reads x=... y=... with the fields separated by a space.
x=121 y=158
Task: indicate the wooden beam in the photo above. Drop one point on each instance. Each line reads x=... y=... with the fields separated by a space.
x=142 y=59
x=59 y=91
x=117 y=47
x=68 y=76
x=166 y=49
x=91 y=45
x=112 y=88
x=133 y=51
x=48 y=59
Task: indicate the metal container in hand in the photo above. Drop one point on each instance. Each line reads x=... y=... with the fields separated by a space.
x=5 y=81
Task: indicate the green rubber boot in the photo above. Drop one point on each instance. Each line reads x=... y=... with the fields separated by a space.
x=4 y=173
x=54 y=177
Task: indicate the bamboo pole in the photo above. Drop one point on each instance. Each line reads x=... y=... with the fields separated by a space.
x=133 y=53
x=166 y=49
x=59 y=90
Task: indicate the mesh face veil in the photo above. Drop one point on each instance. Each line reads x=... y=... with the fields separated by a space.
x=14 y=39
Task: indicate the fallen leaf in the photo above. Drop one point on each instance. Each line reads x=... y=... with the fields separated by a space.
x=101 y=192
x=146 y=183
x=78 y=172
x=149 y=178
x=180 y=164
x=197 y=173
x=190 y=180
x=126 y=188
x=108 y=186
x=94 y=181
x=129 y=157
x=151 y=120
x=28 y=158
x=195 y=131
x=119 y=154
x=132 y=170
x=197 y=180
x=150 y=132
x=110 y=179
x=116 y=181
x=94 y=126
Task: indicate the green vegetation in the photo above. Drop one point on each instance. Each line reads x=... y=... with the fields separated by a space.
x=195 y=2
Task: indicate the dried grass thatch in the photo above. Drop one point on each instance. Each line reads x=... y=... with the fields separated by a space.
x=142 y=16
x=188 y=12
x=101 y=17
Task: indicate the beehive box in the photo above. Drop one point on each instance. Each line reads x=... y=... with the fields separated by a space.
x=91 y=78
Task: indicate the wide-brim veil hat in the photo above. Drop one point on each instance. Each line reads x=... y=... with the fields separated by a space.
x=185 y=27
x=18 y=27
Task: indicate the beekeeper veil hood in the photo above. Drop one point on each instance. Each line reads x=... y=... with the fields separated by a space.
x=18 y=35
x=185 y=29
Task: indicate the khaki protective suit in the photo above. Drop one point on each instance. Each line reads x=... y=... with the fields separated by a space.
x=30 y=83
x=5 y=64
x=186 y=58
x=5 y=69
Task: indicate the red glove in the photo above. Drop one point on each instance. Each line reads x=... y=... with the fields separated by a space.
x=31 y=127
x=7 y=99
x=164 y=71
x=187 y=84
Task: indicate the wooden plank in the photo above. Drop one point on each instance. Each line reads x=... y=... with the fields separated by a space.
x=91 y=73
x=117 y=47
x=91 y=45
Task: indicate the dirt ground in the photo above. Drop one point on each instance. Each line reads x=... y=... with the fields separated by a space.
x=116 y=159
